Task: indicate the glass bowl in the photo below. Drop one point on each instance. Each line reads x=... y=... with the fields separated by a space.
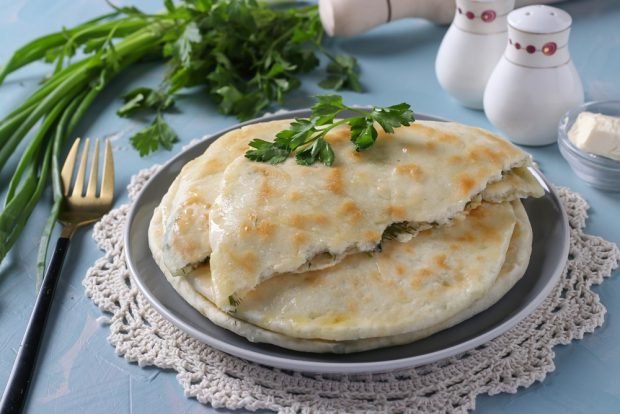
x=596 y=170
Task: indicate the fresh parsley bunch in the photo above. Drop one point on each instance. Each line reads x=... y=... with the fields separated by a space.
x=244 y=53
x=306 y=136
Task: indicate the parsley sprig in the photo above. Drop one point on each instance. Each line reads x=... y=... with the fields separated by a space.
x=159 y=133
x=306 y=136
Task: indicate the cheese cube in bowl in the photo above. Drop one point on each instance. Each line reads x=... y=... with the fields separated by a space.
x=589 y=140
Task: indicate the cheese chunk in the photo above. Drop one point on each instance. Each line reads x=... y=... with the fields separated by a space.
x=597 y=133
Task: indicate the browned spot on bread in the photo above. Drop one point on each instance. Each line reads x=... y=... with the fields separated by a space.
x=211 y=166
x=249 y=224
x=334 y=180
x=189 y=217
x=412 y=170
x=354 y=156
x=265 y=190
x=299 y=238
x=184 y=245
x=466 y=184
x=420 y=276
x=488 y=233
x=446 y=137
x=479 y=213
x=483 y=155
x=397 y=213
x=400 y=270
x=490 y=154
x=454 y=247
x=185 y=223
x=265 y=229
x=456 y=159
x=246 y=260
x=305 y=220
x=484 y=231
x=350 y=209
x=371 y=235
x=430 y=146
x=425 y=272
x=296 y=220
x=295 y=196
x=193 y=198
x=375 y=275
x=474 y=155
x=440 y=261
x=422 y=130
x=467 y=237
x=321 y=219
x=239 y=147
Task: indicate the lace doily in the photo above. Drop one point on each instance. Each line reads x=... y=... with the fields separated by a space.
x=516 y=359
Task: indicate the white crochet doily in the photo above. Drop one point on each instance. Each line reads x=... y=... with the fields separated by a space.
x=516 y=359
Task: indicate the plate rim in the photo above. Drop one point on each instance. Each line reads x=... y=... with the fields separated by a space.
x=336 y=367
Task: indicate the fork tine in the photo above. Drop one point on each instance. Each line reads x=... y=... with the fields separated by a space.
x=92 y=180
x=67 y=167
x=79 y=180
x=107 y=186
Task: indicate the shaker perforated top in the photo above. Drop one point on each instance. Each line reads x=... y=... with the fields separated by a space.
x=539 y=19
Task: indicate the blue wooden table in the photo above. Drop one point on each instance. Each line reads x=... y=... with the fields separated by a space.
x=80 y=372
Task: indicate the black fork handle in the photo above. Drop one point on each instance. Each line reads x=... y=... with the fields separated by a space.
x=16 y=391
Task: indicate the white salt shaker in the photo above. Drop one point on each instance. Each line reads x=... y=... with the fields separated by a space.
x=535 y=82
x=471 y=48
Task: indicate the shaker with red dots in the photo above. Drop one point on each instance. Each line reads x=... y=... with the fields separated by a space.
x=535 y=82
x=471 y=48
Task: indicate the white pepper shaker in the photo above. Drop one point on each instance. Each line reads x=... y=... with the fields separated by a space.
x=471 y=48
x=535 y=82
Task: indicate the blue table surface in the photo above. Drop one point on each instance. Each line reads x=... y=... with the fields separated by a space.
x=79 y=371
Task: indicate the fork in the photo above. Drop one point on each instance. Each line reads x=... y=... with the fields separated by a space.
x=81 y=206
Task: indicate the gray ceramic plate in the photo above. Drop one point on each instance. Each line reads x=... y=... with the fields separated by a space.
x=550 y=252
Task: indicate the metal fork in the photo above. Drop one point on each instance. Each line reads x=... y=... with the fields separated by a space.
x=79 y=208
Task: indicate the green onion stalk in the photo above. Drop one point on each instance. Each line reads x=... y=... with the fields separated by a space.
x=54 y=110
